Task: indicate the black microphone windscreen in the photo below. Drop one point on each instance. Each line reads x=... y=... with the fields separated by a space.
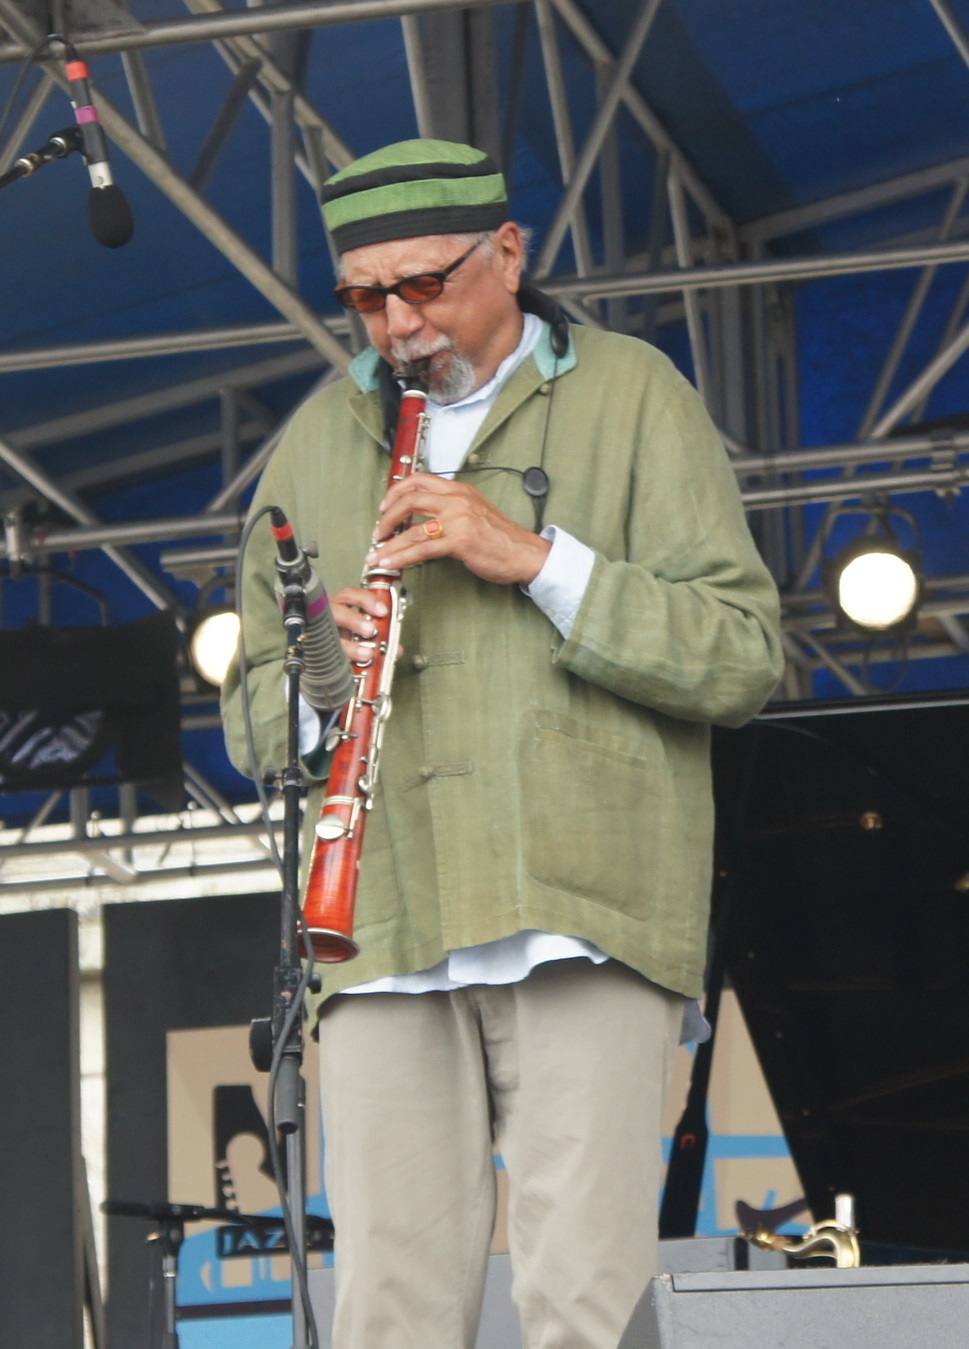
x=112 y=223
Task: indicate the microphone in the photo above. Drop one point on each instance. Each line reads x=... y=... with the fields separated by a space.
x=327 y=681
x=110 y=215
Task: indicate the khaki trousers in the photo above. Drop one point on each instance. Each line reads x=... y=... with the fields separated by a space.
x=568 y=1071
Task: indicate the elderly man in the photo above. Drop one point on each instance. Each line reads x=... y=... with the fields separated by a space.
x=532 y=903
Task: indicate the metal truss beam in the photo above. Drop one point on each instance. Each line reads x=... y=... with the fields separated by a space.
x=691 y=299
x=147 y=582
x=97 y=535
x=619 y=77
x=157 y=344
x=886 y=193
x=758 y=273
x=950 y=479
x=142 y=462
x=923 y=384
x=594 y=46
x=133 y=839
x=158 y=169
x=162 y=400
x=239 y=23
x=953 y=26
x=240 y=52
x=911 y=315
x=564 y=140
x=200 y=871
x=25 y=122
x=853 y=453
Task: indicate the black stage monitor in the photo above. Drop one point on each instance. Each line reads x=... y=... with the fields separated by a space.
x=847 y=826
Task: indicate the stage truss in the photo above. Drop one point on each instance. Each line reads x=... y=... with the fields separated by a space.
x=724 y=278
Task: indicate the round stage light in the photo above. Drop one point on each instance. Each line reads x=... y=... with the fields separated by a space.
x=878 y=588
x=213 y=643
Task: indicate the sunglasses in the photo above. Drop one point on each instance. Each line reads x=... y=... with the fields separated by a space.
x=418 y=289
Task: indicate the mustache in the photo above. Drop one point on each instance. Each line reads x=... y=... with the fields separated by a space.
x=419 y=348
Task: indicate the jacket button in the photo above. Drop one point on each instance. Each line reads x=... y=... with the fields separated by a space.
x=546 y=387
x=420 y=662
x=474 y=457
x=425 y=773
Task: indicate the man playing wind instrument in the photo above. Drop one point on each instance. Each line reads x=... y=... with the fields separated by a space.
x=532 y=901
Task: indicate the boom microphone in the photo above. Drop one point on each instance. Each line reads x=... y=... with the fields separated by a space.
x=327 y=681
x=110 y=215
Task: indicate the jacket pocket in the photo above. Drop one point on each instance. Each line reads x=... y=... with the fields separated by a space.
x=593 y=810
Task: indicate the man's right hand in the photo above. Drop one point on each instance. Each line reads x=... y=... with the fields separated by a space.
x=354 y=609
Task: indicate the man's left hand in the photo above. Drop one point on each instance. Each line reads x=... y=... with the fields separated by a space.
x=463 y=524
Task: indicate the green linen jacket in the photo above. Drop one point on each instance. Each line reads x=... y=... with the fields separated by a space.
x=529 y=781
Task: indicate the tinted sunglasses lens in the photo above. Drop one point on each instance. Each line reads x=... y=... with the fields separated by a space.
x=420 y=289
x=363 y=299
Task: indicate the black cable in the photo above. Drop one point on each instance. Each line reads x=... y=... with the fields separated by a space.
x=296 y=1258
x=296 y=1009
x=244 y=689
x=902 y=672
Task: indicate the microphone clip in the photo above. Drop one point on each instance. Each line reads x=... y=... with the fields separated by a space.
x=63 y=143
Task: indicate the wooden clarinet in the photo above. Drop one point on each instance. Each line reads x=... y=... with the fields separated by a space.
x=331 y=888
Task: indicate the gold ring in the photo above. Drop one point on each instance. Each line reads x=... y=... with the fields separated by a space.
x=433 y=529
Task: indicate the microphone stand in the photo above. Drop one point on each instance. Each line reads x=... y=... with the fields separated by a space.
x=288 y=1107
x=60 y=145
x=171 y=1219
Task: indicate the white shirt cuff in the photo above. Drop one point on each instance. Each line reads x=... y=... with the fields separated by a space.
x=310 y=727
x=559 y=588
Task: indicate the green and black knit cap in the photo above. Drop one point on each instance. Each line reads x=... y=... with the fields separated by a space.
x=411 y=189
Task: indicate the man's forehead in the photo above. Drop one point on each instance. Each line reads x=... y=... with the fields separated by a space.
x=397 y=258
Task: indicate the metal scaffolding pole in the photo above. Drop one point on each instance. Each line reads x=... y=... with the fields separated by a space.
x=565 y=145
x=953 y=26
x=240 y=23
x=886 y=193
x=691 y=300
x=244 y=49
x=911 y=315
x=157 y=168
x=643 y=114
x=414 y=52
x=950 y=330
x=143 y=98
x=159 y=344
x=602 y=121
x=925 y=382
x=757 y=273
x=162 y=400
x=215 y=142
x=97 y=535
x=146 y=581
x=25 y=122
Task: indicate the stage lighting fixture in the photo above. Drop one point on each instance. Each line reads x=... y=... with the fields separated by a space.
x=874 y=584
x=213 y=643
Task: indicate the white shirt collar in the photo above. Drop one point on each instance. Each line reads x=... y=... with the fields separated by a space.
x=531 y=332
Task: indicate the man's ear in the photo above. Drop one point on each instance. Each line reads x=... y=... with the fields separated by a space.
x=509 y=249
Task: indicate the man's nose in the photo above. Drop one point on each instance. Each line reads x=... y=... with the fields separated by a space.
x=403 y=319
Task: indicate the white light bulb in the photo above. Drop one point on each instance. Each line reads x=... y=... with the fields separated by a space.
x=213 y=645
x=877 y=590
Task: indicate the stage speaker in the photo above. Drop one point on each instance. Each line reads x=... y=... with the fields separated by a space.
x=169 y=965
x=43 y=1197
x=890 y=1308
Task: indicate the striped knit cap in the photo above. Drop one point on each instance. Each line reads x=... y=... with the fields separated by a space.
x=411 y=189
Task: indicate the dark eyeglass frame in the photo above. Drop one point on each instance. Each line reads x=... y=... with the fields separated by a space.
x=358 y=298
